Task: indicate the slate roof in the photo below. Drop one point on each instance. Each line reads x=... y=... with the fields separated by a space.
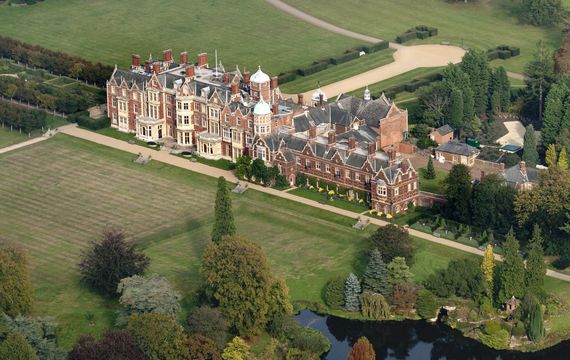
x=130 y=77
x=444 y=130
x=457 y=148
x=514 y=175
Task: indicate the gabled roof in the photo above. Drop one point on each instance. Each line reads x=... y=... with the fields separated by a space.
x=458 y=148
x=515 y=176
x=444 y=130
x=130 y=77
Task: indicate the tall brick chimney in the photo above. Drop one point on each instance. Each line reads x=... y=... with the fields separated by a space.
x=184 y=58
x=227 y=78
x=321 y=101
x=235 y=88
x=371 y=149
x=135 y=60
x=391 y=156
x=156 y=67
x=404 y=166
x=275 y=108
x=351 y=143
x=147 y=66
x=331 y=137
x=190 y=71
x=203 y=60
x=300 y=100
x=523 y=168
x=274 y=82
x=312 y=133
x=167 y=55
x=246 y=76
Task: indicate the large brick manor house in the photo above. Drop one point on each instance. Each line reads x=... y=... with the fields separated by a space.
x=352 y=141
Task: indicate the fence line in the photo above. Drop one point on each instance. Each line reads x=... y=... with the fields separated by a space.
x=33 y=107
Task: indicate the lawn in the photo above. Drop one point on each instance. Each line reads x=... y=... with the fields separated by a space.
x=478 y=24
x=320 y=197
x=8 y=137
x=59 y=194
x=335 y=73
x=432 y=185
x=248 y=33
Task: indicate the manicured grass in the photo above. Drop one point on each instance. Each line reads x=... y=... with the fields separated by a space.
x=119 y=135
x=339 y=72
x=321 y=197
x=59 y=194
x=477 y=24
x=248 y=33
x=8 y=137
x=432 y=185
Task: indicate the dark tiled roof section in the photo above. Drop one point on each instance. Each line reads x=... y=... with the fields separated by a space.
x=356 y=160
x=167 y=80
x=339 y=116
x=301 y=123
x=329 y=154
x=273 y=141
x=295 y=143
x=130 y=77
x=379 y=164
x=458 y=148
x=289 y=155
x=444 y=130
x=514 y=175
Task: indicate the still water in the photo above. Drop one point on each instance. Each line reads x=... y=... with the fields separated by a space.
x=416 y=340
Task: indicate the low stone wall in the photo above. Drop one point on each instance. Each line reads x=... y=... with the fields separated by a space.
x=429 y=199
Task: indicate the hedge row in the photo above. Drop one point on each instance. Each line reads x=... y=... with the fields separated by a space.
x=503 y=52
x=413 y=85
x=323 y=64
x=82 y=119
x=56 y=62
x=20 y=117
x=418 y=32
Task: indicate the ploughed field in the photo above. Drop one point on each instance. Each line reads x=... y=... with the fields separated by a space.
x=249 y=32
x=56 y=196
x=477 y=24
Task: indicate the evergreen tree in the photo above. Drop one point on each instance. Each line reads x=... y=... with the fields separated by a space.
x=512 y=275
x=476 y=65
x=352 y=293
x=530 y=155
x=430 y=170
x=488 y=268
x=551 y=157
x=540 y=76
x=458 y=193
x=553 y=113
x=16 y=291
x=362 y=350
x=536 y=324
x=237 y=349
x=376 y=275
x=563 y=159
x=455 y=117
x=16 y=347
x=224 y=218
x=503 y=86
x=535 y=266
x=399 y=272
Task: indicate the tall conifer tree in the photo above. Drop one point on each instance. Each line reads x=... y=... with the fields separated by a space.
x=512 y=276
x=376 y=275
x=224 y=218
x=530 y=155
x=535 y=266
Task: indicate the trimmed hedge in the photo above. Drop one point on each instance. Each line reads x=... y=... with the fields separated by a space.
x=345 y=58
x=82 y=119
x=413 y=85
x=382 y=45
x=287 y=77
x=313 y=69
x=419 y=32
x=503 y=52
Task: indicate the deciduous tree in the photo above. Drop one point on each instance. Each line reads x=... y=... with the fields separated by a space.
x=237 y=349
x=158 y=336
x=488 y=268
x=542 y=12
x=109 y=260
x=114 y=345
x=404 y=296
x=16 y=291
x=563 y=159
x=223 y=215
x=392 y=241
x=202 y=348
x=334 y=292
x=362 y=350
x=210 y=323
x=374 y=306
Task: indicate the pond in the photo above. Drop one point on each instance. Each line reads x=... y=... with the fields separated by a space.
x=411 y=339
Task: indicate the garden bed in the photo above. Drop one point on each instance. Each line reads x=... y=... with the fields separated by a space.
x=323 y=198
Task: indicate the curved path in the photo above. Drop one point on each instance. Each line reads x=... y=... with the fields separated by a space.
x=412 y=58
x=406 y=58
x=167 y=158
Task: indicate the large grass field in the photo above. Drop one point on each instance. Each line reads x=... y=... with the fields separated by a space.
x=57 y=196
x=477 y=24
x=248 y=32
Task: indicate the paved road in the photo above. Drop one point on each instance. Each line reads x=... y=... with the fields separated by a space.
x=211 y=171
x=38 y=139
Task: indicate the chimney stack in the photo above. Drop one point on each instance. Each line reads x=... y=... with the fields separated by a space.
x=167 y=55
x=274 y=82
x=246 y=76
x=235 y=88
x=391 y=156
x=404 y=166
x=312 y=133
x=190 y=71
x=300 y=99
x=275 y=108
x=523 y=168
x=156 y=67
x=227 y=78
x=203 y=60
x=321 y=101
x=371 y=149
x=135 y=61
x=351 y=143
x=184 y=58
x=331 y=137
x=147 y=67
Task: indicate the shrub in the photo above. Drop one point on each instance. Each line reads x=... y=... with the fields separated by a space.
x=374 y=306
x=310 y=340
x=82 y=119
x=334 y=292
x=426 y=304
x=287 y=77
x=494 y=336
x=312 y=69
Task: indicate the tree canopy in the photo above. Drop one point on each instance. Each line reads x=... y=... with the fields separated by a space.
x=458 y=193
x=376 y=275
x=362 y=350
x=512 y=271
x=158 y=336
x=392 y=241
x=109 y=260
x=114 y=345
x=223 y=215
x=210 y=323
x=16 y=291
